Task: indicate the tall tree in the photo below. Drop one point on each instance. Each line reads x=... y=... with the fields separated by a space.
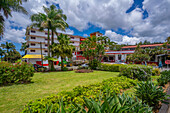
x=57 y=20
x=52 y=19
x=94 y=49
x=63 y=48
x=42 y=22
x=7 y=6
x=2 y=52
x=24 y=48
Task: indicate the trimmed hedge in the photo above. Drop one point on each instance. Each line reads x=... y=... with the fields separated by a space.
x=15 y=73
x=115 y=84
x=110 y=67
x=140 y=72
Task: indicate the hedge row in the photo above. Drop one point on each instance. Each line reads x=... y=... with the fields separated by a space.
x=140 y=72
x=115 y=84
x=110 y=67
x=15 y=73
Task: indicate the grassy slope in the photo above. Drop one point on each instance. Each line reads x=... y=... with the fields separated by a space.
x=13 y=98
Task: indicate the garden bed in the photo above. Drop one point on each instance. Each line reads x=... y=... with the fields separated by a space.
x=84 y=71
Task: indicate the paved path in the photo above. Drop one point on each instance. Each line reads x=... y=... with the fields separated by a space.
x=166 y=108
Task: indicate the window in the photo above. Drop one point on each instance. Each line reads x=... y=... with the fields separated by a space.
x=45 y=51
x=72 y=37
x=46 y=39
x=32 y=50
x=110 y=58
x=32 y=31
x=32 y=44
x=72 y=42
x=46 y=45
x=33 y=38
x=47 y=33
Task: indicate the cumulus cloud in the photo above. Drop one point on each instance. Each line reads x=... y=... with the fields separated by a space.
x=105 y=14
x=14 y=35
x=156 y=26
x=121 y=39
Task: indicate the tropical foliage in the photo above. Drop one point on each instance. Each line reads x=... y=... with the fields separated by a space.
x=94 y=49
x=15 y=73
x=24 y=48
x=63 y=49
x=2 y=52
x=7 y=6
x=114 y=85
x=141 y=55
x=150 y=94
x=140 y=72
x=109 y=67
x=138 y=56
x=110 y=104
x=164 y=78
x=52 y=19
x=9 y=52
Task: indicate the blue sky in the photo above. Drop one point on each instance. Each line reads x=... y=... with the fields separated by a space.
x=123 y=21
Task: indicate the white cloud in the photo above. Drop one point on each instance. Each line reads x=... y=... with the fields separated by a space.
x=85 y=35
x=14 y=35
x=68 y=31
x=121 y=39
x=106 y=14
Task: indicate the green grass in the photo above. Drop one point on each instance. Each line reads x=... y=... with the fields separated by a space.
x=13 y=98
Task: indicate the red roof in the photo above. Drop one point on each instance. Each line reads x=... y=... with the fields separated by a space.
x=150 y=45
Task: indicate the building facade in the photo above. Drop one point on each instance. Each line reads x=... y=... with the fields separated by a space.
x=36 y=38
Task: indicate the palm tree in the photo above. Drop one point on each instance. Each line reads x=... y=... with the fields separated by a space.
x=2 y=52
x=52 y=19
x=63 y=48
x=8 y=46
x=7 y=6
x=57 y=21
x=24 y=48
x=42 y=22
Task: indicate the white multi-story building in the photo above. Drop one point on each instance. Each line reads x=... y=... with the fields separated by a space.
x=34 y=37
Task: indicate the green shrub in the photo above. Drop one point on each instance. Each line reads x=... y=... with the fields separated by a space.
x=112 y=104
x=156 y=72
x=150 y=94
x=114 y=84
x=93 y=64
x=139 y=72
x=164 y=79
x=107 y=104
x=15 y=73
x=109 y=67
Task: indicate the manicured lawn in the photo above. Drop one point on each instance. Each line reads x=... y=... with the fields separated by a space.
x=13 y=98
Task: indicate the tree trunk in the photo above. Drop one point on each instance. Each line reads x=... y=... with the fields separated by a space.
x=49 y=63
x=7 y=55
x=62 y=65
